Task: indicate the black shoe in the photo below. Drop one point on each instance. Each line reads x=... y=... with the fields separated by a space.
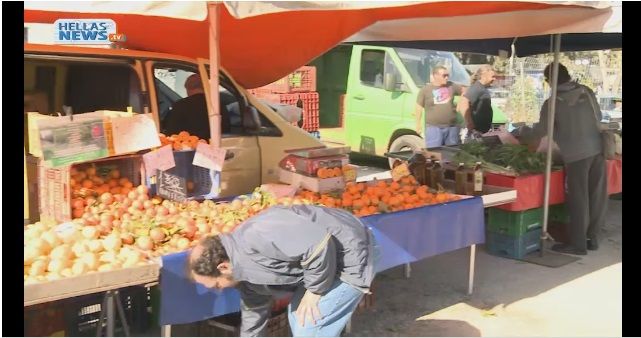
x=568 y=249
x=592 y=245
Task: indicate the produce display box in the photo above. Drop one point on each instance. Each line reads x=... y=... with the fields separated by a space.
x=200 y=177
x=319 y=151
x=514 y=223
x=312 y=183
x=32 y=187
x=513 y=247
x=529 y=189
x=309 y=166
x=55 y=195
x=82 y=314
x=63 y=140
x=90 y=283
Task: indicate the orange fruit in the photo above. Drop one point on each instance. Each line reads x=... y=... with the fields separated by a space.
x=115 y=173
x=115 y=190
x=183 y=135
x=338 y=172
x=87 y=184
x=357 y=204
x=113 y=183
x=91 y=171
x=321 y=173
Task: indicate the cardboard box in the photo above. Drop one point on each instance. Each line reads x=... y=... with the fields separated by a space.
x=62 y=140
x=312 y=183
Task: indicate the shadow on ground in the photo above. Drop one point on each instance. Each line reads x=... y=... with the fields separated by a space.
x=440 y=282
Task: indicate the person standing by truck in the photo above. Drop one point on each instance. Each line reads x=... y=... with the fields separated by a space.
x=476 y=103
x=436 y=99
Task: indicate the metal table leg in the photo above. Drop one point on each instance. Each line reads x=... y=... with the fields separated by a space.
x=408 y=270
x=121 y=313
x=110 y=314
x=165 y=331
x=471 y=272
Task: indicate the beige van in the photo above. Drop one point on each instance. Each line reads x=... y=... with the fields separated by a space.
x=86 y=79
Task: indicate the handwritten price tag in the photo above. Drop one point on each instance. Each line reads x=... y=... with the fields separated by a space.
x=208 y=157
x=161 y=159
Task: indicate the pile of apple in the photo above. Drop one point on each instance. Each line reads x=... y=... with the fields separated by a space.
x=119 y=231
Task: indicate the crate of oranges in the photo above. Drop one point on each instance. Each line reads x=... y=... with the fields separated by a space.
x=65 y=191
x=321 y=167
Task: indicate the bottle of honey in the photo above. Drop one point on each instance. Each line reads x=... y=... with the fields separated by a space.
x=461 y=179
x=478 y=179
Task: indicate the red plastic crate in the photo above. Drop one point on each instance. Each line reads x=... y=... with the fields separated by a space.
x=54 y=193
x=301 y=80
x=529 y=189
x=310 y=120
x=615 y=177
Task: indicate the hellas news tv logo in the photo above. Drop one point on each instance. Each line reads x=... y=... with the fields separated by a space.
x=87 y=32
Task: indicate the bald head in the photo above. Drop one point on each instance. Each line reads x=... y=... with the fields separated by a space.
x=193 y=85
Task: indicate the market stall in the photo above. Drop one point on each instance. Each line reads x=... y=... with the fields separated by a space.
x=405 y=235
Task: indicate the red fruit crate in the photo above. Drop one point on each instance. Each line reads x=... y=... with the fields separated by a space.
x=309 y=102
x=55 y=195
x=301 y=80
x=529 y=189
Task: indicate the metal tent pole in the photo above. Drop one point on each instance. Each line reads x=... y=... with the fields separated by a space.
x=550 y=134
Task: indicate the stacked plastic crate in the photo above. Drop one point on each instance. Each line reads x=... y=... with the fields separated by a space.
x=513 y=234
x=296 y=89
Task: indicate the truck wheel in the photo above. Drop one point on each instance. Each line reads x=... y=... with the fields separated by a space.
x=405 y=142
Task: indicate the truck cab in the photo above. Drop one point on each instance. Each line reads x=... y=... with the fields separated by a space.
x=368 y=95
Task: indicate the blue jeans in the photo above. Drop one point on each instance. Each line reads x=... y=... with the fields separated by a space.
x=336 y=308
x=437 y=136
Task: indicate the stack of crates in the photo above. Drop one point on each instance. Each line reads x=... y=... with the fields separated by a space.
x=296 y=89
x=513 y=234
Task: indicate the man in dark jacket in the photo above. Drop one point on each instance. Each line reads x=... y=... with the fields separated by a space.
x=190 y=113
x=577 y=134
x=324 y=255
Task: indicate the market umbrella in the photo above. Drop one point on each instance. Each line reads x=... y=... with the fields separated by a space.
x=241 y=36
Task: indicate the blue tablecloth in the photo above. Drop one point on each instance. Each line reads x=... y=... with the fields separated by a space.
x=403 y=237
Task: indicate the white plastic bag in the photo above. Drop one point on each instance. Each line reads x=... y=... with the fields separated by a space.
x=291 y=114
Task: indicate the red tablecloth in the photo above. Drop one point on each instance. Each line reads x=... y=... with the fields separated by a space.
x=529 y=189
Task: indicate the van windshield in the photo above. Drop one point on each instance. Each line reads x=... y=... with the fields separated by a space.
x=419 y=64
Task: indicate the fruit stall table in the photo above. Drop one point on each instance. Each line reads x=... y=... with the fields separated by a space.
x=403 y=237
x=109 y=282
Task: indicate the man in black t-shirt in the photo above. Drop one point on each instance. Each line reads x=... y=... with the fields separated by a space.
x=476 y=103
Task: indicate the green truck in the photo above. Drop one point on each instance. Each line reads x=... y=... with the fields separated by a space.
x=368 y=95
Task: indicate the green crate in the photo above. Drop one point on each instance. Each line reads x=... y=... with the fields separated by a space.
x=514 y=223
x=513 y=247
x=559 y=213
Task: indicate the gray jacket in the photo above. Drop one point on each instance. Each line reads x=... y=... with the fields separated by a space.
x=286 y=247
x=575 y=123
